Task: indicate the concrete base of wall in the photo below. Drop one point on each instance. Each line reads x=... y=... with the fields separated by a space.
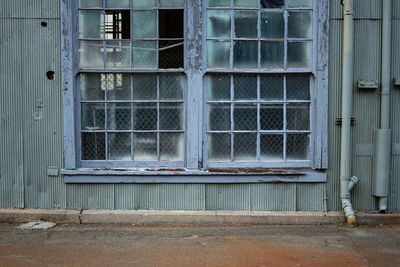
x=141 y=217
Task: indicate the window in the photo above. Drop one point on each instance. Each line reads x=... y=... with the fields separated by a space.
x=195 y=84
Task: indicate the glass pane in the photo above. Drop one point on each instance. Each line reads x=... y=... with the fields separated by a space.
x=300 y=3
x=145 y=146
x=246 y=24
x=119 y=116
x=118 y=54
x=91 y=24
x=218 y=54
x=218 y=24
x=272 y=55
x=144 y=116
x=171 y=146
x=218 y=3
x=218 y=117
x=92 y=116
x=271 y=147
x=245 y=54
x=144 y=24
x=117 y=3
x=245 y=116
x=93 y=146
x=300 y=24
x=299 y=55
x=90 y=3
x=271 y=117
x=118 y=86
x=144 y=87
x=272 y=3
x=219 y=87
x=170 y=54
x=219 y=147
x=245 y=87
x=118 y=24
x=143 y=3
x=271 y=87
x=272 y=25
x=297 y=146
x=244 y=146
x=144 y=54
x=246 y=3
x=170 y=23
x=171 y=116
x=171 y=87
x=172 y=3
x=91 y=54
x=298 y=116
x=92 y=86
x=297 y=87
x=119 y=146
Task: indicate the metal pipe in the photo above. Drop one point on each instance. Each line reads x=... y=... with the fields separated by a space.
x=347 y=98
x=383 y=134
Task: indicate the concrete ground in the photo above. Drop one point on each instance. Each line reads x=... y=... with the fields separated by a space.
x=132 y=245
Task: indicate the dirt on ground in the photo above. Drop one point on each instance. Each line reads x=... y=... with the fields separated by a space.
x=132 y=245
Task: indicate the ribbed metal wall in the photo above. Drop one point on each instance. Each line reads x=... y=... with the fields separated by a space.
x=31 y=126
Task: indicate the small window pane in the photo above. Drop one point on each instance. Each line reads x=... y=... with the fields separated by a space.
x=144 y=24
x=143 y=3
x=218 y=54
x=246 y=3
x=145 y=146
x=218 y=117
x=91 y=54
x=144 y=116
x=144 y=54
x=171 y=146
x=92 y=116
x=119 y=116
x=245 y=87
x=271 y=147
x=90 y=3
x=245 y=146
x=299 y=55
x=246 y=24
x=118 y=86
x=117 y=3
x=93 y=146
x=91 y=24
x=170 y=54
x=219 y=87
x=272 y=25
x=298 y=87
x=297 y=146
x=271 y=87
x=118 y=54
x=300 y=3
x=171 y=116
x=219 y=3
x=219 y=147
x=144 y=87
x=171 y=87
x=118 y=24
x=298 y=116
x=170 y=23
x=245 y=116
x=272 y=55
x=218 y=24
x=272 y=3
x=271 y=117
x=92 y=86
x=172 y=3
x=245 y=54
x=300 y=24
x=119 y=146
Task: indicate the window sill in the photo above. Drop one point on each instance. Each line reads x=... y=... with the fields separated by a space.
x=232 y=175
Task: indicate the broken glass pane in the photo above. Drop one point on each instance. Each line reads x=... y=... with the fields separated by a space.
x=170 y=54
x=272 y=3
x=117 y=24
x=218 y=24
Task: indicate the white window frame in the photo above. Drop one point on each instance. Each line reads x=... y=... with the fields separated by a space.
x=195 y=146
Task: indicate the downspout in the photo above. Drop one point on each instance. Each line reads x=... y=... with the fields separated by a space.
x=347 y=87
x=383 y=134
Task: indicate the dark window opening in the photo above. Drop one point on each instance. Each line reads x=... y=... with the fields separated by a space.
x=272 y=3
x=117 y=24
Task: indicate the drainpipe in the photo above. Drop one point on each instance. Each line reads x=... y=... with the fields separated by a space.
x=346 y=185
x=383 y=134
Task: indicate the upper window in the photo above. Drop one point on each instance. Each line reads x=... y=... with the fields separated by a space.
x=196 y=84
